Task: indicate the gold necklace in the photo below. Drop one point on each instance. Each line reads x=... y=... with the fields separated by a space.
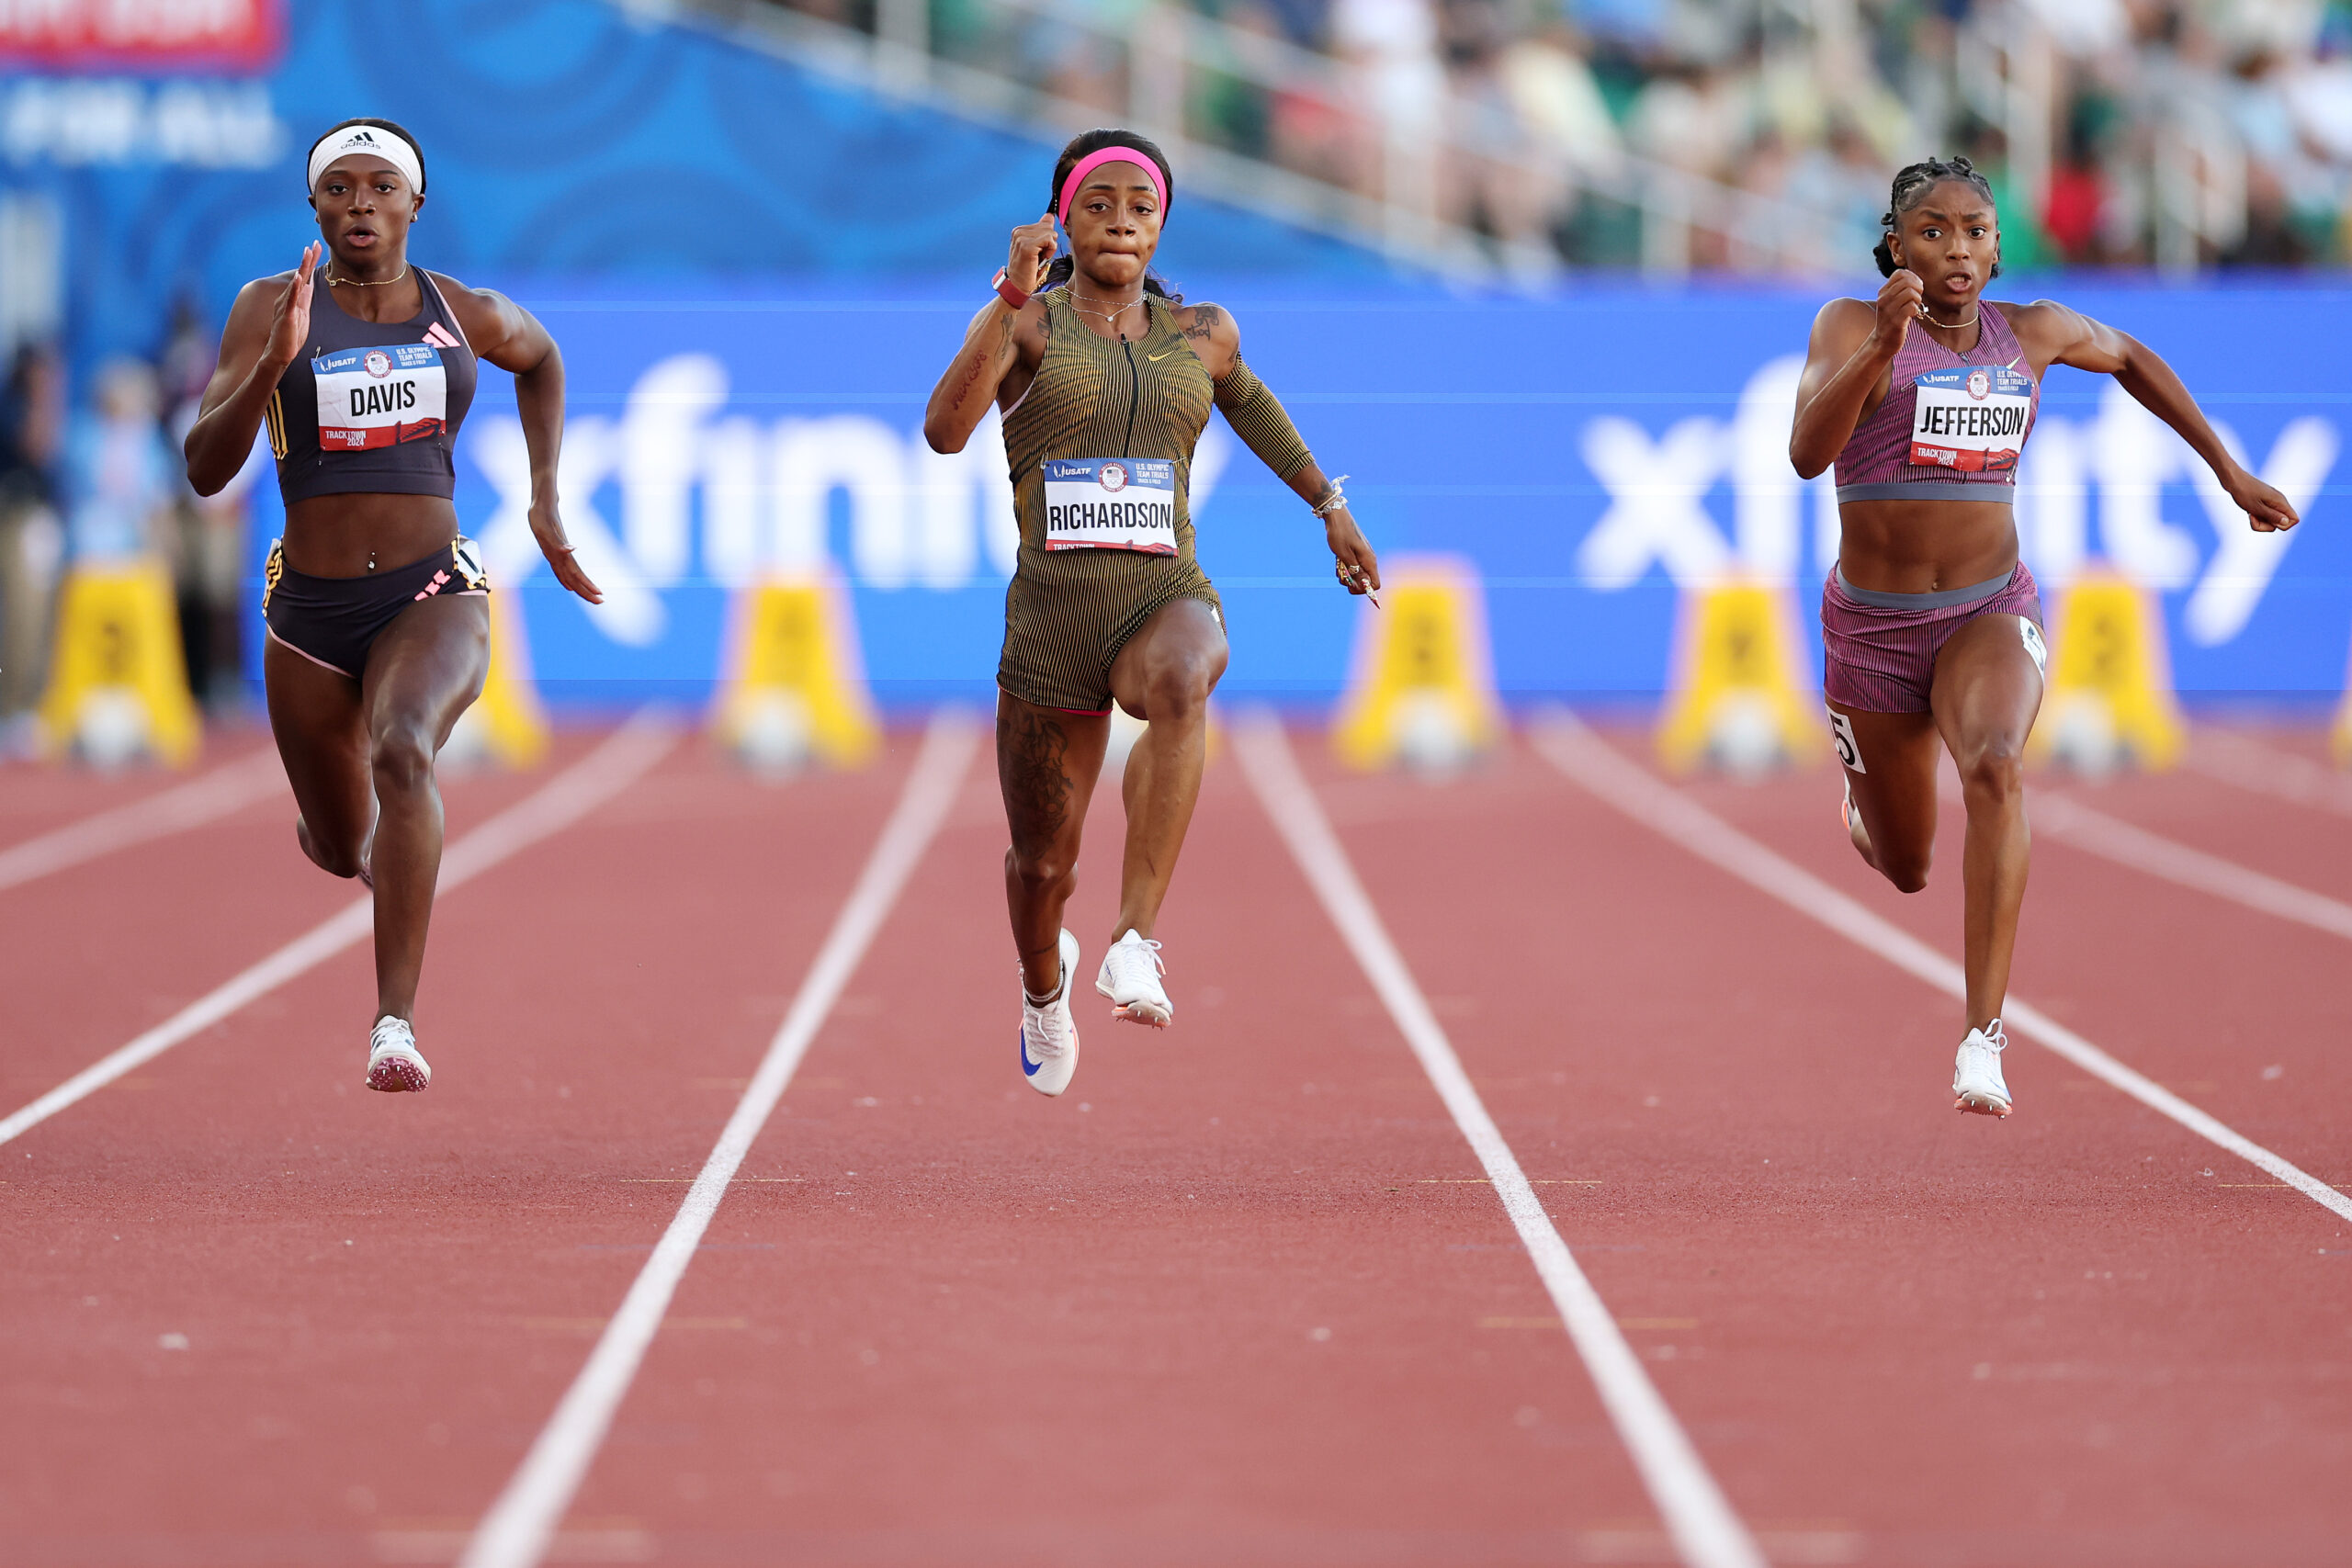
x=1952 y=326
x=363 y=283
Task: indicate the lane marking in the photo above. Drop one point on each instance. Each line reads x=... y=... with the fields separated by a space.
x=2127 y=845
x=521 y=1526
x=1562 y=740
x=227 y=789
x=1706 y=1532
x=2248 y=764
x=618 y=762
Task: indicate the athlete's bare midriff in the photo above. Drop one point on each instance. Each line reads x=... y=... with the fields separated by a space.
x=1925 y=547
x=334 y=535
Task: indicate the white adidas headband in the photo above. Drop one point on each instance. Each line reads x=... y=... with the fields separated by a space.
x=389 y=145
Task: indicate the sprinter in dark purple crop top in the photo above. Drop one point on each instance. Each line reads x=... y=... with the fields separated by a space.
x=1932 y=623
x=378 y=634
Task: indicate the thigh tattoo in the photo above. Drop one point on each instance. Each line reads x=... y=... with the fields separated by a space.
x=1035 y=770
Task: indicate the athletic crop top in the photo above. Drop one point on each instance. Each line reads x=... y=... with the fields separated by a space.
x=373 y=407
x=1953 y=425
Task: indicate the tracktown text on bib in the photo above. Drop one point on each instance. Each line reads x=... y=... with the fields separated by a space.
x=1111 y=504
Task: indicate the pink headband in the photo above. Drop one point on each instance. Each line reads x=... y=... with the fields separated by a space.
x=1096 y=160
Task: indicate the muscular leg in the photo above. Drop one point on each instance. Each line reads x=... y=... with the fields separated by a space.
x=424 y=670
x=1895 y=792
x=315 y=718
x=1163 y=676
x=1046 y=762
x=1986 y=692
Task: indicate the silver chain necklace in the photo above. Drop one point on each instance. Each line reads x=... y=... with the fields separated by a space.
x=1110 y=318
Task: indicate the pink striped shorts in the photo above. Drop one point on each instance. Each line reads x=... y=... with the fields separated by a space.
x=1880 y=649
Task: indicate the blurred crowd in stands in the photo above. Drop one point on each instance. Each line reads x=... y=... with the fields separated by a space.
x=2229 y=121
x=98 y=480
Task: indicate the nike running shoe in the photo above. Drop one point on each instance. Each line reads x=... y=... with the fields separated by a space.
x=1048 y=1032
x=394 y=1064
x=1130 y=977
x=1976 y=1081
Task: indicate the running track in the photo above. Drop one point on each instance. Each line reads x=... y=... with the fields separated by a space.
x=1245 y=1296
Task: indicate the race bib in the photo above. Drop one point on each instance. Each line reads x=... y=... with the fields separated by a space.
x=1971 y=418
x=379 y=397
x=1111 y=504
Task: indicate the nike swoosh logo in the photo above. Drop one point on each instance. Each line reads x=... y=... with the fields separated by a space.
x=1028 y=1067
x=1156 y=358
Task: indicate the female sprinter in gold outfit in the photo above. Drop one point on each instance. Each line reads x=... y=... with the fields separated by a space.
x=1106 y=382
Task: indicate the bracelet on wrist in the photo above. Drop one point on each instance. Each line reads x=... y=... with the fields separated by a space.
x=1333 y=501
x=1003 y=284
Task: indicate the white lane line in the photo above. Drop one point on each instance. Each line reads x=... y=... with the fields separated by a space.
x=1568 y=746
x=226 y=789
x=2127 y=845
x=2252 y=766
x=619 y=761
x=521 y=1525
x=1706 y=1532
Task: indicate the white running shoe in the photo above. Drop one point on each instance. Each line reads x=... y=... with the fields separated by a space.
x=1976 y=1081
x=394 y=1064
x=1048 y=1032
x=1130 y=977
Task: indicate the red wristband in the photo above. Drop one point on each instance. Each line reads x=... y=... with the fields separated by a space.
x=1003 y=284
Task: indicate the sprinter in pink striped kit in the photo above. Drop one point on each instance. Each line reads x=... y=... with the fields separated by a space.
x=1931 y=624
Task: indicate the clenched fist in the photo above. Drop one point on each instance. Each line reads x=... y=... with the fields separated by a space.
x=1034 y=245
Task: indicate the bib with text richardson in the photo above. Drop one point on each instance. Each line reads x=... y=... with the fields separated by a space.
x=379 y=397
x=1111 y=504
x=1971 y=418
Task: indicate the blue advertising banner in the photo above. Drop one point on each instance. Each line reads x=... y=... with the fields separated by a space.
x=1592 y=457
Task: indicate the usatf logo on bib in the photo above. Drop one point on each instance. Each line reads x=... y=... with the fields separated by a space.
x=1971 y=418
x=1111 y=504
x=381 y=397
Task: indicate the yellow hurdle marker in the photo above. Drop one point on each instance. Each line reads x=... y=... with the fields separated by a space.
x=793 y=686
x=506 y=726
x=2109 y=691
x=1736 y=699
x=2340 y=741
x=1422 y=687
x=118 y=684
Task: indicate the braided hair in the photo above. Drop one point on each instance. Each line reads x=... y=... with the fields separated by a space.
x=1086 y=142
x=1912 y=184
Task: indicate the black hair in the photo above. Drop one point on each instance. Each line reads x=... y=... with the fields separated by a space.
x=391 y=125
x=1911 y=187
x=1086 y=142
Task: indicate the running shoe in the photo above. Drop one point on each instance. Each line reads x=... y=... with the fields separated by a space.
x=1130 y=977
x=1976 y=1081
x=394 y=1064
x=1048 y=1032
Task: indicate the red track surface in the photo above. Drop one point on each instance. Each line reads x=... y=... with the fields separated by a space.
x=1238 y=1299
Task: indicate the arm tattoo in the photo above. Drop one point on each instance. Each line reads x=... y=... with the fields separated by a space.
x=1206 y=319
x=984 y=359
x=1032 y=766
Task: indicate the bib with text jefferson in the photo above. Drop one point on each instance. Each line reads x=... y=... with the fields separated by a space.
x=1111 y=504
x=1970 y=418
x=381 y=397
